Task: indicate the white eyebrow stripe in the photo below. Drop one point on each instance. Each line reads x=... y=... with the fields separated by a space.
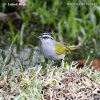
x=47 y=36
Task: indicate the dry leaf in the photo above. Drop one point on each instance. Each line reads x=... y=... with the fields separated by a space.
x=95 y=64
x=3 y=82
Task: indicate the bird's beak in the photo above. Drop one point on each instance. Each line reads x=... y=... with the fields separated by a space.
x=39 y=37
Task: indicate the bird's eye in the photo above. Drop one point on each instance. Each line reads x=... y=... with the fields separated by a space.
x=45 y=37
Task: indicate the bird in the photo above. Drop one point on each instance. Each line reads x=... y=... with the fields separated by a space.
x=52 y=49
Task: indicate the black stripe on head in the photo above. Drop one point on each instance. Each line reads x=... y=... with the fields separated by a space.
x=47 y=37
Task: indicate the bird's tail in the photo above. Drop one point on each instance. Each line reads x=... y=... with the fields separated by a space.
x=71 y=48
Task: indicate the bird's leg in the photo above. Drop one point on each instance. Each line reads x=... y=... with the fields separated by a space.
x=46 y=62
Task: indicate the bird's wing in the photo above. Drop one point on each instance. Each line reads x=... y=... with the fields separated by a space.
x=60 y=48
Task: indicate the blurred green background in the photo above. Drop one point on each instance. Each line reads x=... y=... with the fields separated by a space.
x=67 y=20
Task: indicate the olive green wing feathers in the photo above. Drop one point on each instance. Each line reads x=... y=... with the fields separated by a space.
x=60 y=48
